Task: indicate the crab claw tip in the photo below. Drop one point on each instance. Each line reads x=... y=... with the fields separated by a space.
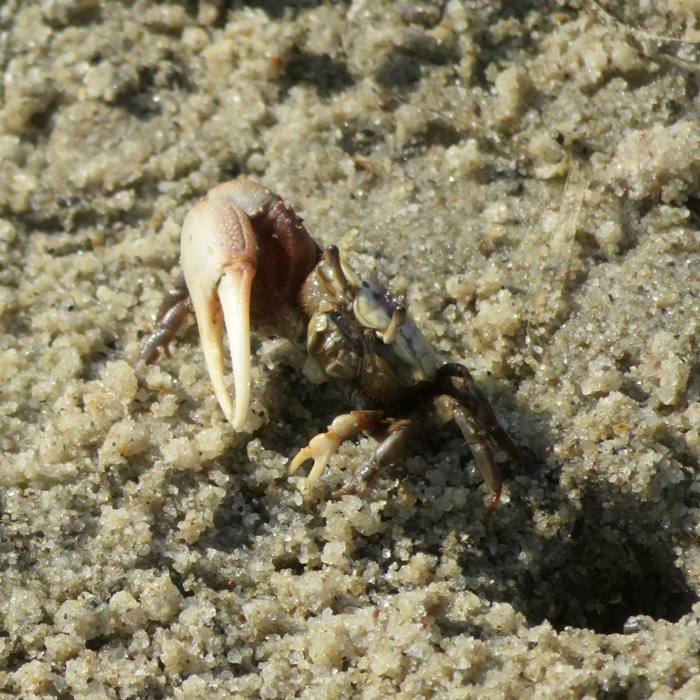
x=234 y=295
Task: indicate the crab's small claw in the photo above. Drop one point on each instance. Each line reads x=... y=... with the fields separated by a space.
x=324 y=445
x=219 y=258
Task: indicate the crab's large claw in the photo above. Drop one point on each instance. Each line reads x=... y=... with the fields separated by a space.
x=238 y=227
x=219 y=258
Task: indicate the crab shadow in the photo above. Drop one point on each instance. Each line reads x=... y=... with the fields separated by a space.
x=613 y=561
x=610 y=562
x=614 y=565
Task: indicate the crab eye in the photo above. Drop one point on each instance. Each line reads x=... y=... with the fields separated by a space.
x=372 y=312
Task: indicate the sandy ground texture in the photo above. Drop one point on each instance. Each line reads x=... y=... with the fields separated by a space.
x=527 y=176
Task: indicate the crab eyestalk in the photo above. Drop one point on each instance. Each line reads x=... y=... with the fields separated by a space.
x=398 y=319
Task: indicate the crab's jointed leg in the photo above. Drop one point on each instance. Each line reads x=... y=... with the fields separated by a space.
x=171 y=314
x=465 y=404
x=387 y=451
x=484 y=458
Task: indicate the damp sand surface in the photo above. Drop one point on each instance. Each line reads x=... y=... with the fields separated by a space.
x=527 y=181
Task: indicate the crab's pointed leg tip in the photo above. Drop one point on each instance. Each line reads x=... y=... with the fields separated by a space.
x=493 y=505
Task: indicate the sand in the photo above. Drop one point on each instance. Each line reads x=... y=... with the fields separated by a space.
x=527 y=179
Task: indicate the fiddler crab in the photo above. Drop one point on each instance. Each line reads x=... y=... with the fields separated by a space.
x=246 y=255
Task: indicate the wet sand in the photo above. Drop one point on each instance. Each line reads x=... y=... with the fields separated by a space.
x=526 y=180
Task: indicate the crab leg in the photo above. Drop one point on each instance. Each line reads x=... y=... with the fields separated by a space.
x=171 y=314
x=475 y=431
x=482 y=451
x=219 y=258
x=386 y=452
